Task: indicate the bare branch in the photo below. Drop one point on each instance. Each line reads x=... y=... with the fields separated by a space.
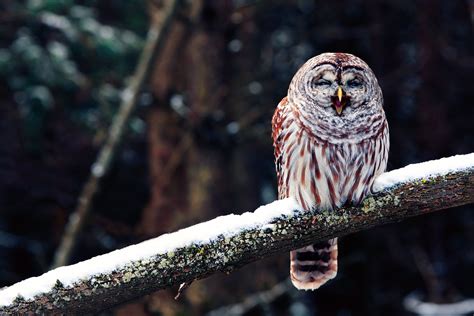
x=415 y=305
x=155 y=39
x=258 y=299
x=229 y=242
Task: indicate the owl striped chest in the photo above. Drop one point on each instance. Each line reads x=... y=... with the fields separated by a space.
x=324 y=175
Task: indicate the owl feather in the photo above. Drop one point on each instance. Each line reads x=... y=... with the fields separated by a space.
x=331 y=141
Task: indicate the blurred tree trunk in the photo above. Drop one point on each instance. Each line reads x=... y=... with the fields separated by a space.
x=164 y=134
x=195 y=170
x=205 y=61
x=187 y=160
x=434 y=133
x=166 y=158
x=434 y=136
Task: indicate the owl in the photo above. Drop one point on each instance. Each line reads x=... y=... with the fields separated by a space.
x=331 y=141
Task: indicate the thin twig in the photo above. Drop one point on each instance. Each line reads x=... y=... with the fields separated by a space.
x=155 y=38
x=254 y=300
x=427 y=271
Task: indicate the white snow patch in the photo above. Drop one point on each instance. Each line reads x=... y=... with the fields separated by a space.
x=428 y=169
x=226 y=226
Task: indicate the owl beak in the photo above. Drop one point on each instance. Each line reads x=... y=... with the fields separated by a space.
x=339 y=100
x=339 y=93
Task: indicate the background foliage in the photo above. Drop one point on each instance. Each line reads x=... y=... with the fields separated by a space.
x=199 y=143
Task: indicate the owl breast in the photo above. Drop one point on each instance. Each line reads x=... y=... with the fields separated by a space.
x=323 y=174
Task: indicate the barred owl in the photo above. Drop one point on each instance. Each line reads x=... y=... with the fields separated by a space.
x=331 y=141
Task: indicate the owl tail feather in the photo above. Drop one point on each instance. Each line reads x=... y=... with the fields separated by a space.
x=313 y=265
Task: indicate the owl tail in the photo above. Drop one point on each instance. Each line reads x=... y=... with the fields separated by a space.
x=313 y=265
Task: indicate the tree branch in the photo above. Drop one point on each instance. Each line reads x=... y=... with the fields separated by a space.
x=229 y=242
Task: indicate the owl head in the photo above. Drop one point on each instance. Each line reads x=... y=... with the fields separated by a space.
x=337 y=91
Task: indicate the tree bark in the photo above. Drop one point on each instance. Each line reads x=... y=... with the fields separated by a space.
x=93 y=293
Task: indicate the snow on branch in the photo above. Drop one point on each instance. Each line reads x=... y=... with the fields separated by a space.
x=229 y=242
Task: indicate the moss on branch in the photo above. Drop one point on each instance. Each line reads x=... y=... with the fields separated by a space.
x=227 y=253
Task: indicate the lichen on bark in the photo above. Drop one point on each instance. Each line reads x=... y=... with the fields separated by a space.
x=229 y=252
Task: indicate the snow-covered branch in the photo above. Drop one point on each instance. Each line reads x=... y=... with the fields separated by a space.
x=231 y=241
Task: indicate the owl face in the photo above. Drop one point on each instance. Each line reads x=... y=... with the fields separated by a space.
x=342 y=91
x=335 y=85
x=337 y=96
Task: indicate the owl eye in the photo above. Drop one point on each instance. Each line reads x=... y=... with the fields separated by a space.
x=322 y=82
x=354 y=83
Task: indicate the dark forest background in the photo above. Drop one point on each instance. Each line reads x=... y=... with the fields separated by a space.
x=198 y=144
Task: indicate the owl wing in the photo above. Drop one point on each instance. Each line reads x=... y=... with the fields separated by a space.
x=313 y=265
x=278 y=124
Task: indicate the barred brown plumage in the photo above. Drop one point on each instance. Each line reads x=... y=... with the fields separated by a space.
x=331 y=141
